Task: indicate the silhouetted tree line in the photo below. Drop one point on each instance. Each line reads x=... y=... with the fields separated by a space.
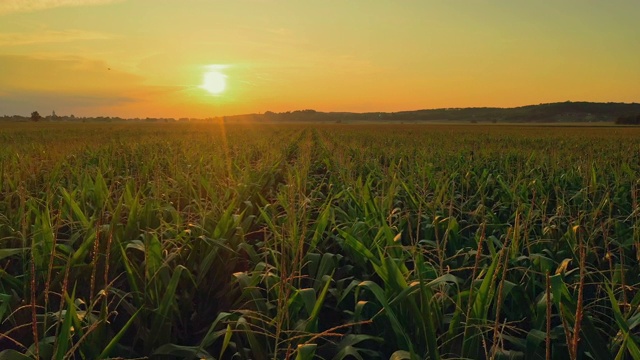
x=553 y=112
x=36 y=117
x=628 y=120
x=541 y=113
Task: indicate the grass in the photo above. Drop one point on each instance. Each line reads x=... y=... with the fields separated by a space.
x=260 y=241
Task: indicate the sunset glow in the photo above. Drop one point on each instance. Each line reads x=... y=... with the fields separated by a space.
x=213 y=80
x=138 y=58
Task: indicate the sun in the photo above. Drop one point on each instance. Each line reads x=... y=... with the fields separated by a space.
x=214 y=80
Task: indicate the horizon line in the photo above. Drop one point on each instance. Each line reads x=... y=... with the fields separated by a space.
x=336 y=112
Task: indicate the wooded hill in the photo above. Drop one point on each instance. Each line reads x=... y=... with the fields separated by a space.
x=553 y=112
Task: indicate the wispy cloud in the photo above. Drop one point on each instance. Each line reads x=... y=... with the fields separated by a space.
x=49 y=36
x=76 y=85
x=13 y=6
x=64 y=74
x=21 y=101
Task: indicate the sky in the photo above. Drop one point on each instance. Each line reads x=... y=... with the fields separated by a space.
x=206 y=58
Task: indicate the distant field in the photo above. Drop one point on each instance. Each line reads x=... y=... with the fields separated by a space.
x=343 y=241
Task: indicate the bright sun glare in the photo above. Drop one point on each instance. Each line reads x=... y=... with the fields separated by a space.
x=213 y=80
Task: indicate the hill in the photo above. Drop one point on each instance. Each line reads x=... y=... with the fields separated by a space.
x=542 y=113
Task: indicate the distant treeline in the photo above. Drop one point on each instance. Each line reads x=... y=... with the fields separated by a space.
x=621 y=113
x=543 y=113
x=629 y=120
x=72 y=118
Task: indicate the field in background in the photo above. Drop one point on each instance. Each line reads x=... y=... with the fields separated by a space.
x=329 y=241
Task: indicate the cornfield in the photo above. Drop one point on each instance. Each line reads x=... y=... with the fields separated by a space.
x=264 y=241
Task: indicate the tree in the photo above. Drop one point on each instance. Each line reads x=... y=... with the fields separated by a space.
x=35 y=116
x=628 y=120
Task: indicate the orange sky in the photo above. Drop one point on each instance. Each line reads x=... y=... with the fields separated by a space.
x=139 y=58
